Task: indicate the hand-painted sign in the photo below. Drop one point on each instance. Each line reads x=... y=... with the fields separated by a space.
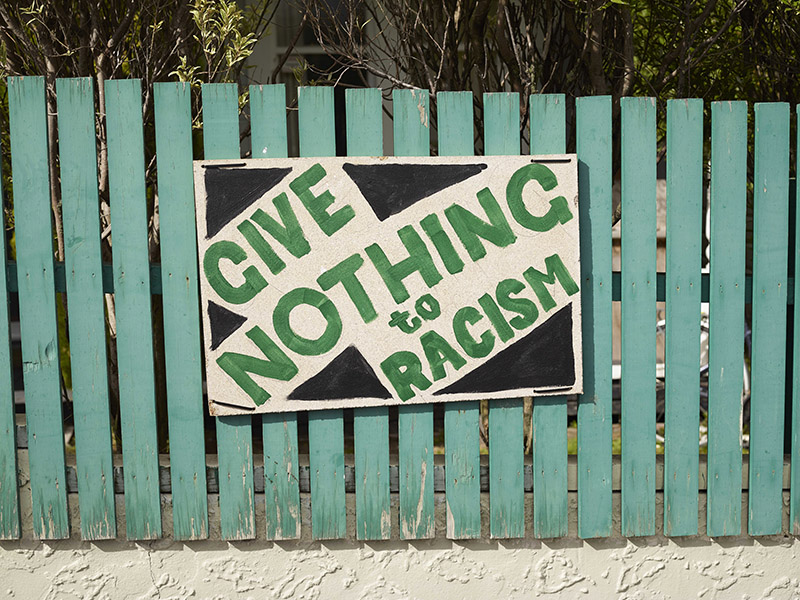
x=336 y=282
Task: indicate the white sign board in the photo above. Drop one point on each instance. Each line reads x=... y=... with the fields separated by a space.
x=344 y=282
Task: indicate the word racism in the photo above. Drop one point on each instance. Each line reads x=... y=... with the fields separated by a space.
x=337 y=282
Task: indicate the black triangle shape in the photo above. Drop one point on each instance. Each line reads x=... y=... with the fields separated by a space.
x=223 y=323
x=349 y=375
x=392 y=188
x=230 y=191
x=542 y=358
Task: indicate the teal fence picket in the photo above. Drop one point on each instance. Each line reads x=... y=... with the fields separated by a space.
x=794 y=503
x=682 y=352
x=132 y=303
x=281 y=475
x=77 y=142
x=726 y=317
x=364 y=119
x=415 y=422
x=461 y=419
x=234 y=433
x=37 y=303
x=10 y=522
x=506 y=446
x=326 y=461
x=593 y=145
x=549 y=427
x=768 y=362
x=325 y=427
x=279 y=430
x=182 y=347
x=638 y=316
x=268 y=137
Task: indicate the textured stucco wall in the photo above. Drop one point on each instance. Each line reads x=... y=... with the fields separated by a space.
x=439 y=569
x=442 y=570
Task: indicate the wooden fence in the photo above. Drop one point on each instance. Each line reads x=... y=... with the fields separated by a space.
x=192 y=475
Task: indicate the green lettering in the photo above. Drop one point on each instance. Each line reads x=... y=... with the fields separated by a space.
x=499 y=322
x=555 y=270
x=262 y=247
x=254 y=282
x=439 y=351
x=470 y=228
x=239 y=366
x=472 y=347
x=402 y=321
x=345 y=273
x=296 y=343
x=559 y=209
x=419 y=260
x=428 y=307
x=317 y=206
x=288 y=232
x=526 y=309
x=441 y=241
x=403 y=369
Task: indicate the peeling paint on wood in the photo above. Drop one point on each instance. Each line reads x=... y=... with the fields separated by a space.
x=38 y=324
x=86 y=310
x=182 y=347
x=415 y=423
x=234 y=434
x=10 y=524
x=133 y=307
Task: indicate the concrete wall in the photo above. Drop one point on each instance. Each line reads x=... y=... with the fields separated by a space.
x=653 y=567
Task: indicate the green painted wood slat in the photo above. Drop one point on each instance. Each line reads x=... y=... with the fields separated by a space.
x=86 y=307
x=234 y=433
x=794 y=501
x=638 y=315
x=593 y=145
x=726 y=316
x=415 y=423
x=132 y=303
x=682 y=350
x=326 y=460
x=325 y=427
x=768 y=358
x=373 y=508
x=506 y=445
x=364 y=120
x=10 y=523
x=281 y=476
x=179 y=282
x=549 y=427
x=268 y=121
x=461 y=419
x=279 y=431
x=37 y=300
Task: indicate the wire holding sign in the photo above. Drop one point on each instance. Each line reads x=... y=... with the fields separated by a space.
x=337 y=282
